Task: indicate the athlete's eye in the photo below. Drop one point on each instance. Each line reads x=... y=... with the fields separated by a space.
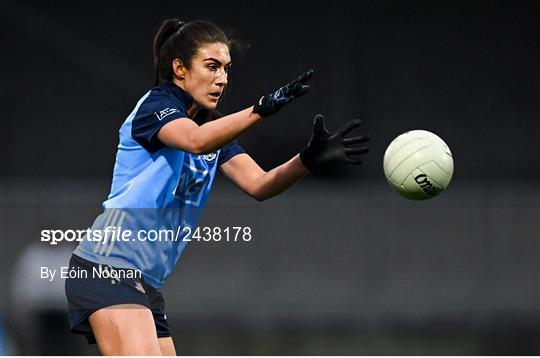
x=213 y=67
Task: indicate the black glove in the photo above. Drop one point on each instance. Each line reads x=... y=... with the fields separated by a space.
x=272 y=102
x=325 y=147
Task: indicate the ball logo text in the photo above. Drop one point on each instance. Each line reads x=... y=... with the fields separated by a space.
x=428 y=187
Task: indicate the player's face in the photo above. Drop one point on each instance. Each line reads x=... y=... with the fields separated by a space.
x=205 y=81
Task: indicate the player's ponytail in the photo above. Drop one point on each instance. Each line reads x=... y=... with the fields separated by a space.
x=166 y=30
x=181 y=40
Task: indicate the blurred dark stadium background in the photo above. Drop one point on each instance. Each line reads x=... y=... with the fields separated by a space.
x=339 y=264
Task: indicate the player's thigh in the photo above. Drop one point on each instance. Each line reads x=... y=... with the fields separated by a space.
x=166 y=345
x=127 y=329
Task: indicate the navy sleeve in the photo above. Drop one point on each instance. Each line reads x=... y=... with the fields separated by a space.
x=229 y=151
x=152 y=115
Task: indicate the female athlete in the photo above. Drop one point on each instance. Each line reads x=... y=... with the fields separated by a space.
x=170 y=147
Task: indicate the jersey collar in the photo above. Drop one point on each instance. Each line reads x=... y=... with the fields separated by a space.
x=179 y=93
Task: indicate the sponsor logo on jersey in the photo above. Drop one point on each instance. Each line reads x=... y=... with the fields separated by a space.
x=165 y=112
x=191 y=184
x=210 y=157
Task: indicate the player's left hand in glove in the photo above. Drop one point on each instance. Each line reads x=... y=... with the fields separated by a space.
x=272 y=102
x=326 y=148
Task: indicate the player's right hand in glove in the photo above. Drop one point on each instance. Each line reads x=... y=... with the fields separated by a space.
x=326 y=148
x=272 y=102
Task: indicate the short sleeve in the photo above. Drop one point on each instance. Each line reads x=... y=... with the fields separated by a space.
x=151 y=116
x=228 y=151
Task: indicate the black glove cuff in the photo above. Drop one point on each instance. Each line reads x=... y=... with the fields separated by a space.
x=260 y=108
x=306 y=159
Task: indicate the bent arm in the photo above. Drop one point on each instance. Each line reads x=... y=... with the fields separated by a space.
x=259 y=184
x=187 y=135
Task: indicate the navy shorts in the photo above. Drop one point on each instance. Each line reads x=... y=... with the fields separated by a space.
x=88 y=292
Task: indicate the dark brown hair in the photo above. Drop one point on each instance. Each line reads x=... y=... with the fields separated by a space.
x=177 y=39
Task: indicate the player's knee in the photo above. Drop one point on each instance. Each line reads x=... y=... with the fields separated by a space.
x=122 y=346
x=128 y=330
x=149 y=349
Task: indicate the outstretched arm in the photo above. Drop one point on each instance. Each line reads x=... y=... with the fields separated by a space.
x=259 y=184
x=324 y=148
x=187 y=135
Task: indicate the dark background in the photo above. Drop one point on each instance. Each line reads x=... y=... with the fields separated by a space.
x=339 y=264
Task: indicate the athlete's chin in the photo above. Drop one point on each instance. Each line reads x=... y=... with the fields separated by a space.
x=209 y=104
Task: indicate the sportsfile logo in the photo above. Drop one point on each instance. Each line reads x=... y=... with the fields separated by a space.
x=165 y=112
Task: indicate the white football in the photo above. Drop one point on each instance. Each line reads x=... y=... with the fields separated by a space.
x=418 y=165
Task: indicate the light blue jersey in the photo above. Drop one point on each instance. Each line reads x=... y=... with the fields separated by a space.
x=157 y=193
